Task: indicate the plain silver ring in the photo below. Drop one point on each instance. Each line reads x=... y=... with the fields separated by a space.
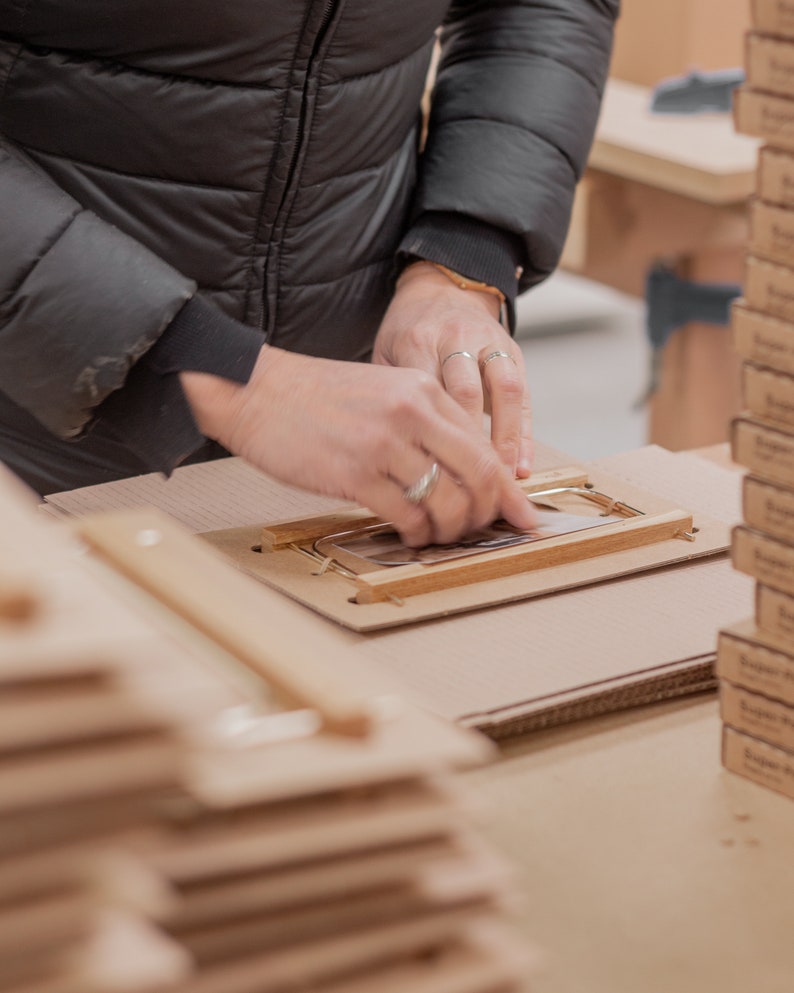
x=419 y=491
x=499 y=354
x=452 y=355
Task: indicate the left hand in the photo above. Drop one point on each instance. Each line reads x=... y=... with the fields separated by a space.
x=431 y=318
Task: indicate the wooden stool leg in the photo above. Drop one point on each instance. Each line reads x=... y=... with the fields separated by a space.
x=699 y=382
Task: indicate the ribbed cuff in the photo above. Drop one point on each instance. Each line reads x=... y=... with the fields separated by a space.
x=470 y=247
x=202 y=338
x=150 y=415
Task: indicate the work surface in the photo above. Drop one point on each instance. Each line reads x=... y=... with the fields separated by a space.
x=645 y=867
x=606 y=645
x=694 y=155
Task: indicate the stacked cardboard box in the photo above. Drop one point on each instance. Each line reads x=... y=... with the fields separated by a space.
x=167 y=824
x=755 y=660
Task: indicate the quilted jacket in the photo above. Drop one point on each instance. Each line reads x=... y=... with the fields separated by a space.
x=267 y=154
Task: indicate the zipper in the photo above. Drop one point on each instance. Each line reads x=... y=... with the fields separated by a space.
x=328 y=11
x=322 y=29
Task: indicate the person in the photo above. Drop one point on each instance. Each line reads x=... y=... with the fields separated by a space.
x=212 y=215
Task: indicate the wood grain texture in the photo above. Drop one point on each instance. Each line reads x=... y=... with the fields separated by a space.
x=412 y=579
x=194 y=582
x=282 y=534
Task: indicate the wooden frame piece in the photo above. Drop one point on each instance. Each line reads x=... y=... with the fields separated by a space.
x=397 y=582
x=303 y=530
x=389 y=597
x=161 y=558
x=19 y=599
x=409 y=580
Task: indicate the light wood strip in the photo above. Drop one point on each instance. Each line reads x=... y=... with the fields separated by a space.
x=196 y=584
x=403 y=581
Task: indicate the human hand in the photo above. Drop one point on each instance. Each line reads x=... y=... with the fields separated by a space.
x=363 y=433
x=432 y=324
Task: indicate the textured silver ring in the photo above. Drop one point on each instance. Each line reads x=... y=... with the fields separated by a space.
x=452 y=355
x=419 y=491
x=498 y=354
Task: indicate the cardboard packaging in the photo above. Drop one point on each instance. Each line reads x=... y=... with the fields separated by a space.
x=763 y=448
x=769 y=287
x=755 y=668
x=768 y=393
x=773 y=17
x=774 y=614
x=762 y=339
x=772 y=232
x=756 y=760
x=767 y=559
x=768 y=508
x=758 y=715
x=756 y=660
x=770 y=64
x=775 y=176
x=764 y=115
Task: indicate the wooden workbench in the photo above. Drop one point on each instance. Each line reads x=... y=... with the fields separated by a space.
x=673 y=189
x=645 y=866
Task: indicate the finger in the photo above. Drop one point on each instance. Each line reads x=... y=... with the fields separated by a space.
x=461 y=501
x=447 y=505
x=432 y=421
x=386 y=498
x=504 y=381
x=471 y=488
x=526 y=451
x=460 y=375
x=517 y=509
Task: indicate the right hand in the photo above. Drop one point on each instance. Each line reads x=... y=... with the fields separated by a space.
x=362 y=433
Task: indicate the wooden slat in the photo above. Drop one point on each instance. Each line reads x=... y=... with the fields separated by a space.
x=551 y=478
x=403 y=581
x=196 y=584
x=281 y=534
x=19 y=601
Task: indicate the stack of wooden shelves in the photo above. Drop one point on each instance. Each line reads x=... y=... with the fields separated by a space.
x=168 y=824
x=84 y=758
x=755 y=660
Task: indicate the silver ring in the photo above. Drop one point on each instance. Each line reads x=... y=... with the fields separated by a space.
x=419 y=491
x=496 y=355
x=452 y=355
